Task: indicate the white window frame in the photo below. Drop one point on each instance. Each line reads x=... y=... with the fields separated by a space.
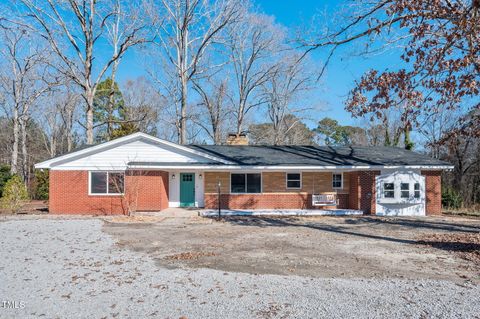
x=107 y=193
x=245 y=173
x=341 y=181
x=286 y=180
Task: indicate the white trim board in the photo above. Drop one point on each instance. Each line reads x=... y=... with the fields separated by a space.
x=58 y=161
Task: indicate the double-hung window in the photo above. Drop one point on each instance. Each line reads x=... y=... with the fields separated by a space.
x=294 y=180
x=246 y=183
x=337 y=181
x=107 y=183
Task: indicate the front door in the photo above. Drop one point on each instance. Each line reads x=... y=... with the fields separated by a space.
x=187 y=189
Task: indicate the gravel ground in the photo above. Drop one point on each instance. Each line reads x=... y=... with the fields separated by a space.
x=71 y=269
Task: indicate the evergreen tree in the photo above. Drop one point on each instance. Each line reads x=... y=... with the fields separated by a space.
x=14 y=195
x=108 y=105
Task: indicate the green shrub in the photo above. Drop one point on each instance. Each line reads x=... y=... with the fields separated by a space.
x=14 y=194
x=4 y=177
x=40 y=185
x=451 y=199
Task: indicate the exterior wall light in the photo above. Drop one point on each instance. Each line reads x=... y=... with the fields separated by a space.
x=173 y=176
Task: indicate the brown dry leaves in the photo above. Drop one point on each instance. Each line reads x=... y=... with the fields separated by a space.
x=464 y=245
x=191 y=255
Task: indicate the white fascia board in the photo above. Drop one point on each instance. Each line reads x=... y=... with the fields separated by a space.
x=284 y=168
x=48 y=163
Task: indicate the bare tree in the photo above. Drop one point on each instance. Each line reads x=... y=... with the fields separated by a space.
x=57 y=114
x=213 y=93
x=23 y=81
x=252 y=44
x=74 y=29
x=282 y=89
x=142 y=105
x=185 y=34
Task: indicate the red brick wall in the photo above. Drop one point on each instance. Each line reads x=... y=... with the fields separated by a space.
x=362 y=191
x=268 y=201
x=433 y=192
x=143 y=191
x=354 y=198
x=367 y=191
x=147 y=190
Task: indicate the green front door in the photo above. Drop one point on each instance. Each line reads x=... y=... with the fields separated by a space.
x=187 y=189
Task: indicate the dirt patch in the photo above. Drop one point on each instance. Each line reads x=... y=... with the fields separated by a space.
x=329 y=247
x=466 y=246
x=190 y=255
x=30 y=207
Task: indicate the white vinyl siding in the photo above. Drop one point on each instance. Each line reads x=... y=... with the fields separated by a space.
x=118 y=157
x=401 y=193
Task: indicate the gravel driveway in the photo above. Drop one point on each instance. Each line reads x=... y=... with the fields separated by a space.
x=70 y=269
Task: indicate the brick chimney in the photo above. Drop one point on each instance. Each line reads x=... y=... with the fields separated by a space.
x=240 y=139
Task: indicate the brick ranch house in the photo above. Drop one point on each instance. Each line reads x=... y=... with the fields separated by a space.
x=140 y=172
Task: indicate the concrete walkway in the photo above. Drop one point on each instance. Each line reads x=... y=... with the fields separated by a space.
x=281 y=212
x=177 y=212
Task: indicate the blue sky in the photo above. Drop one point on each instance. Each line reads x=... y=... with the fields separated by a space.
x=340 y=76
x=343 y=69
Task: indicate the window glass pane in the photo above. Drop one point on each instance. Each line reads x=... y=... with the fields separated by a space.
x=337 y=180
x=115 y=183
x=293 y=180
x=238 y=183
x=404 y=187
x=254 y=182
x=388 y=190
x=293 y=184
x=417 y=190
x=98 y=182
x=293 y=176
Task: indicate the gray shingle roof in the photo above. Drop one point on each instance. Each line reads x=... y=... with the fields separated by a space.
x=318 y=155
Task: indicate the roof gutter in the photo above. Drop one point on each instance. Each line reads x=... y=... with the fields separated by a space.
x=287 y=168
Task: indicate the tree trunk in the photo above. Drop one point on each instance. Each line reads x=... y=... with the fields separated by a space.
x=69 y=130
x=216 y=134
x=68 y=119
x=53 y=145
x=16 y=133
x=408 y=143
x=89 y=98
x=183 y=112
x=111 y=100
x=240 y=117
x=23 y=129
